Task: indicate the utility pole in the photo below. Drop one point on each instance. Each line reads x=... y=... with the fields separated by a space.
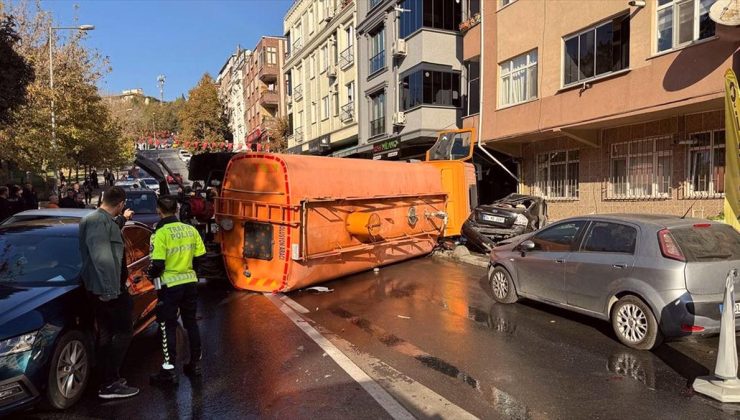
x=160 y=83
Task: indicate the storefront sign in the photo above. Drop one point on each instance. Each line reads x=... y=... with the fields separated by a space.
x=386 y=145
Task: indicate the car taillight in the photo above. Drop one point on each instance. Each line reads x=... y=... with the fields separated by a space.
x=691 y=328
x=668 y=246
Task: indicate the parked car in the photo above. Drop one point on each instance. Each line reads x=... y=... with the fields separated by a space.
x=510 y=216
x=149 y=183
x=47 y=335
x=128 y=184
x=651 y=276
x=144 y=205
x=185 y=155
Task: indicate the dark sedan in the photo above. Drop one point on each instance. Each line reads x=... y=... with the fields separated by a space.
x=651 y=276
x=510 y=216
x=47 y=337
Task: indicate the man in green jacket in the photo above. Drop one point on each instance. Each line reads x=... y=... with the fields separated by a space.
x=175 y=246
x=101 y=249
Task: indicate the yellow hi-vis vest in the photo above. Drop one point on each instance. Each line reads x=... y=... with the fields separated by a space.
x=177 y=244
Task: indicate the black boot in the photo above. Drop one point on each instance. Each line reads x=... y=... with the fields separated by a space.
x=192 y=369
x=164 y=377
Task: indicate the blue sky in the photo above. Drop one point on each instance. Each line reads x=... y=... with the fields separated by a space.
x=181 y=39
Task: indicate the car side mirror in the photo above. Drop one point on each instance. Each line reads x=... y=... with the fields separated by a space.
x=526 y=246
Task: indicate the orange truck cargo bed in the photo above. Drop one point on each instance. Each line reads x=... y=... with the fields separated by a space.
x=300 y=220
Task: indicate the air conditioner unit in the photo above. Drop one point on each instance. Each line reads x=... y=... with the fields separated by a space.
x=331 y=71
x=399 y=48
x=399 y=118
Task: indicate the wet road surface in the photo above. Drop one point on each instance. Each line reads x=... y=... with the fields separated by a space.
x=434 y=321
x=430 y=325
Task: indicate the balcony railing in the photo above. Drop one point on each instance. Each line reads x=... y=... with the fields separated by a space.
x=269 y=98
x=268 y=72
x=348 y=112
x=377 y=127
x=377 y=62
x=297 y=45
x=347 y=57
x=298 y=135
x=298 y=93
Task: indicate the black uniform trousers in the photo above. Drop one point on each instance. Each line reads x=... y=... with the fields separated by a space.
x=115 y=331
x=184 y=298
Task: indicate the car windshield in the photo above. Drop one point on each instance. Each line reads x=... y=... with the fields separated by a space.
x=716 y=242
x=150 y=182
x=33 y=256
x=141 y=203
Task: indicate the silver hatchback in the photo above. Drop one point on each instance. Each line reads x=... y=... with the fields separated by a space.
x=651 y=276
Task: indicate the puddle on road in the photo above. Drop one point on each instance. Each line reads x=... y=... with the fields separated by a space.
x=504 y=403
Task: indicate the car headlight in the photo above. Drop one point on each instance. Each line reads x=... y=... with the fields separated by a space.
x=521 y=220
x=226 y=224
x=17 y=344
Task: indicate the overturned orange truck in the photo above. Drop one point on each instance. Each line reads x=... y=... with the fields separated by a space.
x=291 y=221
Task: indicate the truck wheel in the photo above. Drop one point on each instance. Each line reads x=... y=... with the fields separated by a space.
x=634 y=324
x=502 y=286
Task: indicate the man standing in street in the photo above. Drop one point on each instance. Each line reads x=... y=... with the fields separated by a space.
x=68 y=202
x=30 y=197
x=101 y=249
x=5 y=210
x=175 y=246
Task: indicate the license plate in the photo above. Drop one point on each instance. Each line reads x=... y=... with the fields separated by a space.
x=494 y=219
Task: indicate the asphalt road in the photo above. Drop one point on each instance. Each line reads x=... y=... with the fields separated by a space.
x=428 y=333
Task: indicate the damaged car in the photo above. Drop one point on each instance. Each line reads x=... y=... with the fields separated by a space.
x=510 y=216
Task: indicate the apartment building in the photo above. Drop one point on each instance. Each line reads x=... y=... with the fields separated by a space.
x=411 y=75
x=322 y=73
x=231 y=94
x=607 y=107
x=264 y=91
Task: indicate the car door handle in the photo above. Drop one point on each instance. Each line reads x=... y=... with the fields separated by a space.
x=559 y=260
x=619 y=265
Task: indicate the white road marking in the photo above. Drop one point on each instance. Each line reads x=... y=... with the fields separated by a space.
x=393 y=407
x=293 y=304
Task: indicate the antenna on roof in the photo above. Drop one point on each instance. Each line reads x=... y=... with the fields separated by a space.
x=687 y=211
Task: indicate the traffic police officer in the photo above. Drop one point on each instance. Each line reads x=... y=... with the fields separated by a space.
x=175 y=248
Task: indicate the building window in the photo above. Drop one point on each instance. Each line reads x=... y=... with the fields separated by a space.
x=335 y=99
x=473 y=87
x=503 y=3
x=519 y=79
x=312 y=66
x=271 y=55
x=324 y=108
x=706 y=164
x=374 y=3
x=377 y=114
x=377 y=50
x=314 y=112
x=557 y=174
x=439 y=14
x=310 y=20
x=641 y=169
x=599 y=50
x=430 y=88
x=324 y=62
x=682 y=21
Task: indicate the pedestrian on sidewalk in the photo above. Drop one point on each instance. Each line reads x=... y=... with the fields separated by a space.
x=30 y=197
x=5 y=210
x=175 y=246
x=17 y=204
x=68 y=202
x=53 y=202
x=87 y=188
x=101 y=249
x=94 y=179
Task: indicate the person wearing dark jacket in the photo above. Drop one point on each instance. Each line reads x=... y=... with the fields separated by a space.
x=30 y=197
x=68 y=202
x=5 y=210
x=17 y=204
x=174 y=247
x=101 y=249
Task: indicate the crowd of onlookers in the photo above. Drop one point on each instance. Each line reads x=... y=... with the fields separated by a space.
x=15 y=199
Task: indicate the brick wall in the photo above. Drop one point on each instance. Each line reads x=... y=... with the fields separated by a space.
x=594 y=169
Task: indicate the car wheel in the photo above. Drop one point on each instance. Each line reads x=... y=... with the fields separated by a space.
x=634 y=324
x=502 y=286
x=69 y=370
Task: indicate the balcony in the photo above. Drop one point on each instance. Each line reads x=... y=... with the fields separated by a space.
x=268 y=73
x=298 y=135
x=348 y=112
x=377 y=127
x=269 y=98
x=298 y=93
x=297 y=45
x=347 y=57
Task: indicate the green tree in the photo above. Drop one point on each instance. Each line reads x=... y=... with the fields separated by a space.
x=16 y=72
x=202 y=117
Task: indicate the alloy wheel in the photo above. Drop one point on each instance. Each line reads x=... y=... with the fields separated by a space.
x=500 y=285
x=72 y=369
x=632 y=323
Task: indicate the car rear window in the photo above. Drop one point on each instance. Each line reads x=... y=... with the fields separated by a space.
x=716 y=242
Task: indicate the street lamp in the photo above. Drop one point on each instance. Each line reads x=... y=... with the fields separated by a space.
x=51 y=75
